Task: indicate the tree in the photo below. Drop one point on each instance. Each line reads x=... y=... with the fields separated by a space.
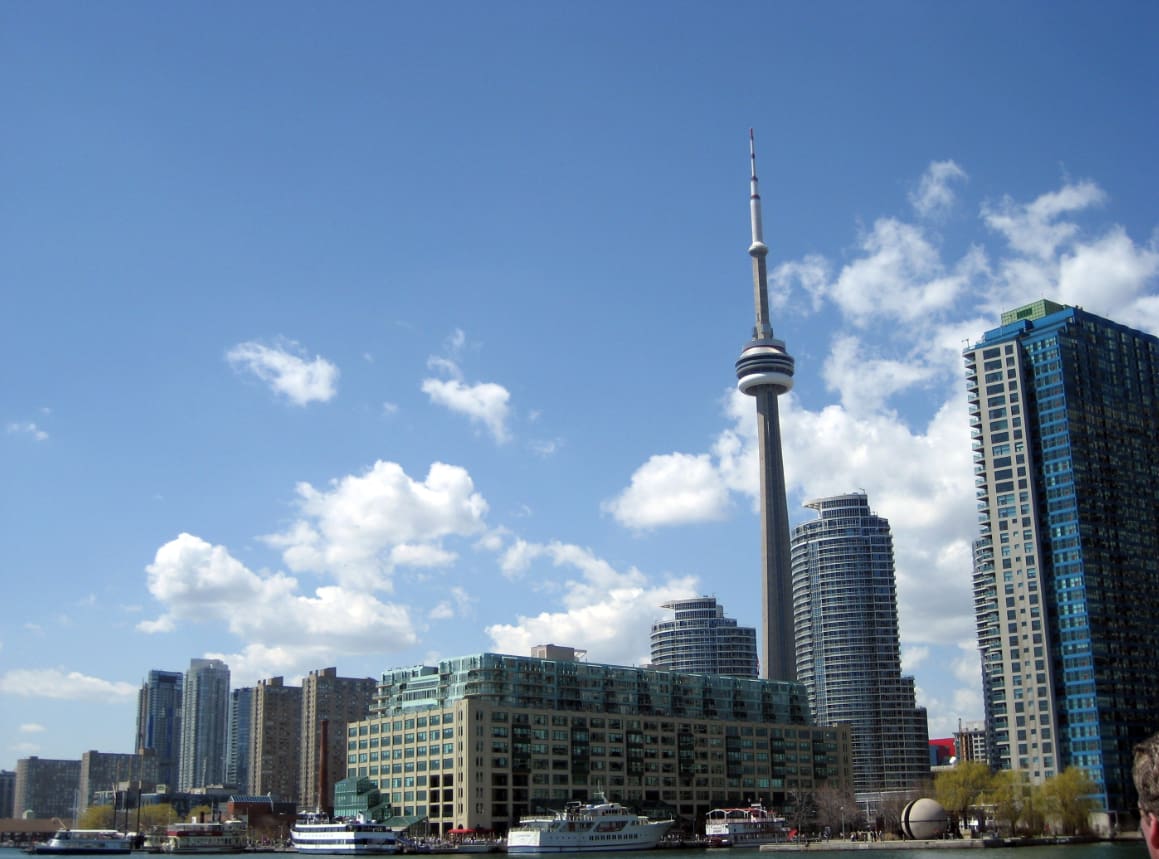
x=96 y=817
x=959 y=789
x=1009 y=794
x=1069 y=799
x=836 y=808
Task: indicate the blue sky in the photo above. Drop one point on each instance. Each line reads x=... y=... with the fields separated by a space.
x=366 y=334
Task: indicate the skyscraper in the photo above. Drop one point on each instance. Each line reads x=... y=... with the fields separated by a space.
x=699 y=639
x=159 y=723
x=848 y=649
x=1064 y=415
x=204 y=724
x=240 y=737
x=329 y=702
x=275 y=744
x=764 y=370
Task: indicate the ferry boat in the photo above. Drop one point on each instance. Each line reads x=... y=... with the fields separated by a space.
x=743 y=827
x=81 y=842
x=600 y=826
x=343 y=837
x=215 y=836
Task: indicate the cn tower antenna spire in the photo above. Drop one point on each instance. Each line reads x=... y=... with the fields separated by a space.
x=755 y=198
x=764 y=371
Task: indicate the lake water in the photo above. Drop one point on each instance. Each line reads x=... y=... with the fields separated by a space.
x=1102 y=850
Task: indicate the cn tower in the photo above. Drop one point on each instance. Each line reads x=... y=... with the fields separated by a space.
x=764 y=370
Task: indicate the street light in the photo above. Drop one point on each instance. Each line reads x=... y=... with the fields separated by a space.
x=843 y=823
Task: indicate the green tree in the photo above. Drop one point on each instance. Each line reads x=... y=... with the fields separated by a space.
x=154 y=818
x=1069 y=800
x=959 y=789
x=96 y=817
x=1009 y=794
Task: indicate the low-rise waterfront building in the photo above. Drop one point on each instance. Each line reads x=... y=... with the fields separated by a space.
x=46 y=788
x=483 y=740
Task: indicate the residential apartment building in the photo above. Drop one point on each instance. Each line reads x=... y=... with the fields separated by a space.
x=104 y=774
x=483 y=740
x=699 y=639
x=46 y=789
x=275 y=753
x=204 y=724
x=240 y=737
x=329 y=703
x=848 y=646
x=159 y=722
x=1064 y=417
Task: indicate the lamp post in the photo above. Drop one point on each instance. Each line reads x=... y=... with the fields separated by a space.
x=843 y=823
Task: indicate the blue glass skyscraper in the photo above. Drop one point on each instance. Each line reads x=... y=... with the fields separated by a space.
x=1064 y=416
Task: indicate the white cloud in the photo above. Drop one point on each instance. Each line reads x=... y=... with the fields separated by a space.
x=197 y=582
x=934 y=197
x=32 y=728
x=28 y=428
x=64 y=685
x=671 y=489
x=1031 y=229
x=810 y=274
x=606 y=612
x=485 y=403
x=1109 y=276
x=866 y=383
x=901 y=276
x=287 y=371
x=367 y=525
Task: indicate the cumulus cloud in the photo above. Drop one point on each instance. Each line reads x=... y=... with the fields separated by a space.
x=365 y=526
x=197 y=582
x=484 y=403
x=605 y=611
x=934 y=196
x=671 y=489
x=63 y=685
x=287 y=370
x=1032 y=228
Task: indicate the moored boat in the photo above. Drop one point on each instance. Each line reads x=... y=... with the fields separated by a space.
x=85 y=842
x=599 y=826
x=743 y=827
x=343 y=837
x=214 y=836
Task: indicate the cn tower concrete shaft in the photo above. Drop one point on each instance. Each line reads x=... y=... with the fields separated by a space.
x=764 y=371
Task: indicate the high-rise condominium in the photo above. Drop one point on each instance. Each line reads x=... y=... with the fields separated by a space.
x=159 y=723
x=848 y=650
x=329 y=702
x=1064 y=415
x=699 y=639
x=240 y=737
x=275 y=739
x=204 y=724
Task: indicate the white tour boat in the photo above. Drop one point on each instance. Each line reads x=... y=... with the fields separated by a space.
x=599 y=826
x=214 y=836
x=85 y=842
x=743 y=827
x=344 y=837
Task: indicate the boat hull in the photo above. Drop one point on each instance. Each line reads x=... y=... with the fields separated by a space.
x=345 y=839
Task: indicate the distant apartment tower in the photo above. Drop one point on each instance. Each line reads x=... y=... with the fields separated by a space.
x=495 y=738
x=103 y=774
x=329 y=702
x=237 y=763
x=970 y=742
x=848 y=649
x=7 y=793
x=159 y=723
x=275 y=740
x=204 y=724
x=1064 y=419
x=46 y=789
x=699 y=639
